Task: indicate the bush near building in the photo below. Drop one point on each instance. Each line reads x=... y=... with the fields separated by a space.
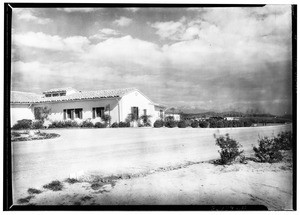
x=158 y=124
x=182 y=124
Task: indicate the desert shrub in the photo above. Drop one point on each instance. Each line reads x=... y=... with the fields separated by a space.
x=230 y=149
x=195 y=124
x=87 y=124
x=115 y=125
x=54 y=186
x=99 y=125
x=124 y=124
x=158 y=124
x=203 y=124
x=170 y=124
x=284 y=140
x=34 y=191
x=23 y=124
x=71 y=180
x=182 y=124
x=268 y=150
x=38 y=124
x=25 y=200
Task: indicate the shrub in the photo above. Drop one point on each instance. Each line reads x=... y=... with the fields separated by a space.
x=230 y=149
x=268 y=150
x=170 y=124
x=124 y=124
x=203 y=124
x=56 y=124
x=182 y=124
x=106 y=118
x=54 y=185
x=64 y=124
x=169 y=118
x=146 y=120
x=284 y=140
x=158 y=124
x=38 y=124
x=87 y=124
x=71 y=180
x=195 y=124
x=115 y=125
x=99 y=125
x=69 y=124
x=34 y=191
x=23 y=124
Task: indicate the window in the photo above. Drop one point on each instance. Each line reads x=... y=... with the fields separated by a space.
x=98 y=112
x=73 y=113
x=48 y=95
x=62 y=94
x=145 y=112
x=135 y=113
x=55 y=94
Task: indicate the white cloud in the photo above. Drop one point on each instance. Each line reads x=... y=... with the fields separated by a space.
x=104 y=34
x=123 y=21
x=45 y=41
x=126 y=52
x=29 y=16
x=82 y=10
x=132 y=9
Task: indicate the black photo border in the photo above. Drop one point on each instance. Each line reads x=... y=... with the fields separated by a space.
x=7 y=164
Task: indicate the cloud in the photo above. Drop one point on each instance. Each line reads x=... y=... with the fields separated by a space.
x=123 y=21
x=169 y=30
x=104 y=34
x=29 y=15
x=241 y=61
x=126 y=51
x=80 y=10
x=55 y=43
x=132 y=9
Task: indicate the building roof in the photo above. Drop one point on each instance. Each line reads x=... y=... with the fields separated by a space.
x=56 y=90
x=22 y=97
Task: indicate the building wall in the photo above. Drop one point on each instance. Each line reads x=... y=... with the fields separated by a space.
x=176 y=116
x=133 y=99
x=20 y=111
x=56 y=113
x=136 y=99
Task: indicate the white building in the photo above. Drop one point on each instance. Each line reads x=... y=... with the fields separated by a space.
x=71 y=104
x=173 y=113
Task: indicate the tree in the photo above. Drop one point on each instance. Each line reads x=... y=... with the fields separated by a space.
x=41 y=113
x=106 y=118
x=146 y=120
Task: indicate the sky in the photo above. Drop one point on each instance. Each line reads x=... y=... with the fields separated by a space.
x=217 y=59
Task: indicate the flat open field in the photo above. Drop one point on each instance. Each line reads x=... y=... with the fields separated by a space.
x=121 y=150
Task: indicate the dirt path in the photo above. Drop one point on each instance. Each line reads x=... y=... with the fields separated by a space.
x=199 y=184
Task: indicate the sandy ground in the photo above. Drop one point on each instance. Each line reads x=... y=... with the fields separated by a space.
x=107 y=152
x=191 y=184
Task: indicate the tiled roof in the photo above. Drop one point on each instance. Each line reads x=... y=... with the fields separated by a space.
x=59 y=90
x=21 y=97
